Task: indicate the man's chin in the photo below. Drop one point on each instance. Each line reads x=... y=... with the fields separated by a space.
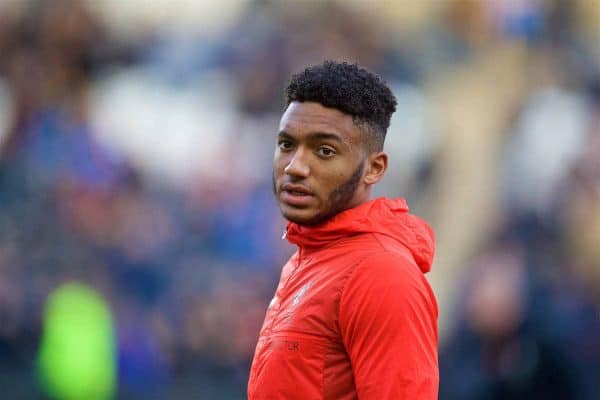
x=302 y=216
x=298 y=215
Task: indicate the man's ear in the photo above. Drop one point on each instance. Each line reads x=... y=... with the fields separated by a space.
x=376 y=166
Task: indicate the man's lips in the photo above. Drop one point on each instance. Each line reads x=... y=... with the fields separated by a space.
x=295 y=195
x=296 y=189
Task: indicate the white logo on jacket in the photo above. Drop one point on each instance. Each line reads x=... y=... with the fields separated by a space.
x=273 y=301
x=301 y=293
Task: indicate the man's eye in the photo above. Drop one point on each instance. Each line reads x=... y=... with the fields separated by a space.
x=326 y=151
x=285 y=145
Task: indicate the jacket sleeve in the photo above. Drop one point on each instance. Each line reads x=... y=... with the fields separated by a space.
x=388 y=321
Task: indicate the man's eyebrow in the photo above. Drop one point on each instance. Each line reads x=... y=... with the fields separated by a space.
x=326 y=136
x=316 y=136
x=284 y=135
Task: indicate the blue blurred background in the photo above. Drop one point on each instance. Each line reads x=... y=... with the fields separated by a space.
x=135 y=167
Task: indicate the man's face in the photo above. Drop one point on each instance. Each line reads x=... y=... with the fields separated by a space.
x=318 y=164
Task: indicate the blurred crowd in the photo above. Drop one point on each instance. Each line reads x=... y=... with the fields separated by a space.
x=140 y=165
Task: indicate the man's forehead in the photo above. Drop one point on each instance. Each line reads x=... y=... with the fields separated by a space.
x=313 y=116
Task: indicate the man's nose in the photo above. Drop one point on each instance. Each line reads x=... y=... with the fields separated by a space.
x=298 y=165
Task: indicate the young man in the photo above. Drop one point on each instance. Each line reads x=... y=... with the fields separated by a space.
x=353 y=316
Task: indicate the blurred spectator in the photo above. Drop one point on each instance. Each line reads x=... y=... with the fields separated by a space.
x=499 y=350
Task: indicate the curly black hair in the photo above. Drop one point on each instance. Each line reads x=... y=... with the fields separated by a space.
x=350 y=89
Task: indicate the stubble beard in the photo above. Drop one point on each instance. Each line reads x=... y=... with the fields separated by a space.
x=340 y=198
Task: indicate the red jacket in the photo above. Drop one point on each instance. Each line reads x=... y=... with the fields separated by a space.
x=353 y=316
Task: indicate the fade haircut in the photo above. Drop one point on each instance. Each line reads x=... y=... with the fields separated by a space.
x=350 y=89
